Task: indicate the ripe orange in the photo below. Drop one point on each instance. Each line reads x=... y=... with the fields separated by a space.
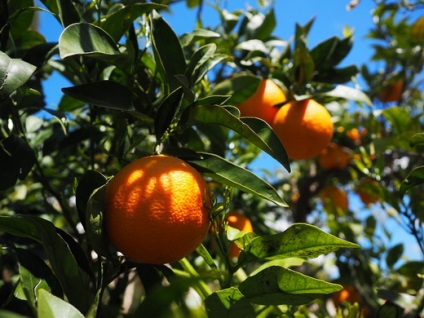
x=417 y=29
x=392 y=91
x=365 y=191
x=334 y=199
x=157 y=209
x=261 y=104
x=334 y=156
x=304 y=127
x=348 y=294
x=356 y=135
x=240 y=222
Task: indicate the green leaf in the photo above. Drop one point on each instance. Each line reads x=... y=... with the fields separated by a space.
x=106 y=94
x=239 y=87
x=329 y=53
x=73 y=280
x=35 y=274
x=303 y=64
x=278 y=285
x=336 y=75
x=201 y=62
x=13 y=74
x=417 y=141
x=89 y=182
x=299 y=240
x=86 y=39
x=16 y=160
x=389 y=310
x=9 y=314
x=350 y=93
x=254 y=130
x=50 y=306
x=399 y=118
x=95 y=222
x=394 y=254
x=167 y=110
x=187 y=38
x=414 y=178
x=117 y=23
x=168 y=52
x=230 y=174
x=228 y=302
x=258 y=25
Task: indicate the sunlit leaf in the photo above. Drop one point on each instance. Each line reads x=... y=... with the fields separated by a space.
x=50 y=306
x=350 y=93
x=299 y=240
x=223 y=171
x=278 y=285
x=86 y=39
x=255 y=130
x=13 y=74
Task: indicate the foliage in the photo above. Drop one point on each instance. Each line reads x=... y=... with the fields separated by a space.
x=138 y=88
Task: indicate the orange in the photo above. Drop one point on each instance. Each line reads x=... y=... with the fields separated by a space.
x=365 y=191
x=334 y=199
x=240 y=222
x=417 y=29
x=356 y=135
x=261 y=103
x=157 y=209
x=304 y=127
x=334 y=157
x=348 y=294
x=392 y=91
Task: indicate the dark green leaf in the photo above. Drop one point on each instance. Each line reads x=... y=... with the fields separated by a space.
x=95 y=222
x=13 y=74
x=394 y=254
x=258 y=25
x=16 y=160
x=50 y=306
x=90 y=181
x=278 y=285
x=168 y=51
x=414 y=178
x=86 y=39
x=254 y=130
x=399 y=118
x=389 y=310
x=106 y=94
x=299 y=240
x=239 y=87
x=67 y=12
x=167 y=111
x=228 y=302
x=417 y=141
x=304 y=65
x=230 y=174
x=36 y=274
x=331 y=52
x=337 y=75
x=119 y=21
x=73 y=280
x=201 y=62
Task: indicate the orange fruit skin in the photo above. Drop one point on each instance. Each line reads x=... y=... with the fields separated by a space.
x=157 y=209
x=240 y=222
x=304 y=127
x=334 y=199
x=417 y=29
x=366 y=197
x=347 y=294
x=261 y=103
x=392 y=92
x=334 y=157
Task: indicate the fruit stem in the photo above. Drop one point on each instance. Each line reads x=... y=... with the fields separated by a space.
x=201 y=287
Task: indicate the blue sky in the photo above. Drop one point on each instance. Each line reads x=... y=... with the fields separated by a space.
x=331 y=17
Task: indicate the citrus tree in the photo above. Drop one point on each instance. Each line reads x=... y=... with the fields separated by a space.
x=136 y=195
